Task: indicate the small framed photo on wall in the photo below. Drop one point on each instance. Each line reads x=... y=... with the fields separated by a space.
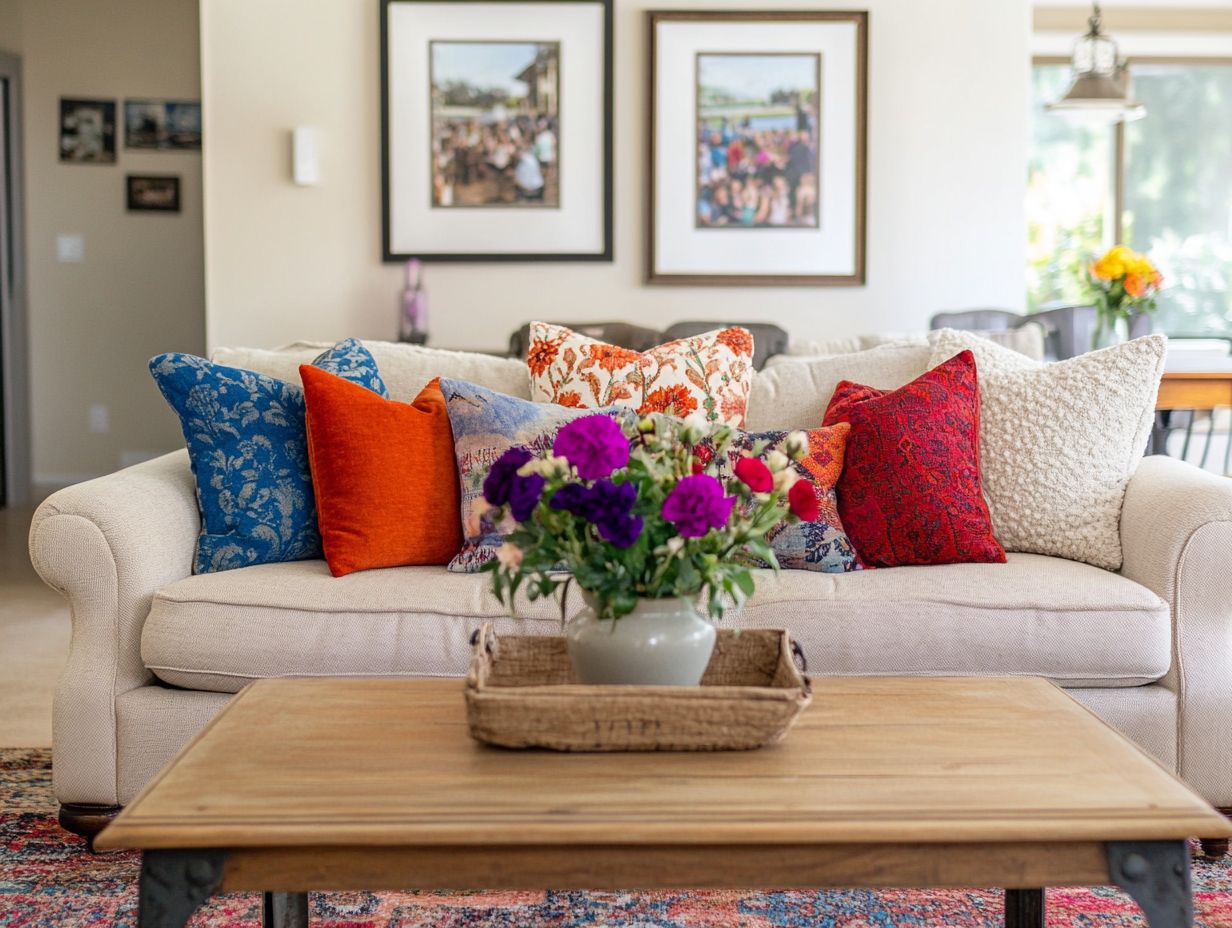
x=496 y=130
x=757 y=147
x=152 y=193
x=162 y=125
x=87 y=131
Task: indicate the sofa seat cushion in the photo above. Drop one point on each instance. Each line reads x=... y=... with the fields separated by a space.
x=1034 y=615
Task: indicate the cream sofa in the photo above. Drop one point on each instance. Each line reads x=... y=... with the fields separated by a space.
x=156 y=651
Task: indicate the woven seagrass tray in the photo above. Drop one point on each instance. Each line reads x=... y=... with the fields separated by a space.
x=521 y=692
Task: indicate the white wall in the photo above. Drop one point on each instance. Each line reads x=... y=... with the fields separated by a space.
x=948 y=84
x=140 y=290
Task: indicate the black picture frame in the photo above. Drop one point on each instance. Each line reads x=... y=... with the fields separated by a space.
x=83 y=140
x=152 y=193
x=605 y=254
x=160 y=133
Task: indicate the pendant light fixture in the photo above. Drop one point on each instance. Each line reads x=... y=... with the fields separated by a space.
x=1099 y=92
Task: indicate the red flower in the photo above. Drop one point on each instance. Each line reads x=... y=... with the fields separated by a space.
x=755 y=475
x=570 y=398
x=802 y=498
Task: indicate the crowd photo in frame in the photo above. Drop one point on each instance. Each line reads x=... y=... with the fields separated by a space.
x=757 y=147
x=496 y=130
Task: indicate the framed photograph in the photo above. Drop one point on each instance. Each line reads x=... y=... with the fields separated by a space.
x=757 y=148
x=165 y=125
x=87 y=131
x=154 y=193
x=496 y=130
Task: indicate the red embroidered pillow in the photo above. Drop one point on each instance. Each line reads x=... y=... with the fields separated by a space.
x=707 y=375
x=910 y=492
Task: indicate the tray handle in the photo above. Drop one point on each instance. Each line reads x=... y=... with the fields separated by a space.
x=797 y=655
x=801 y=662
x=487 y=645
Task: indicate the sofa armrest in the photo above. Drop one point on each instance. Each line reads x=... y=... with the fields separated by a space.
x=1176 y=533
x=108 y=545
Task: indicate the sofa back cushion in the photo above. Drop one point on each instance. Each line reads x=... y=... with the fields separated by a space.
x=406 y=369
x=794 y=393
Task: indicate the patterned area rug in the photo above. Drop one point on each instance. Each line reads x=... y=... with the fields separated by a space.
x=48 y=878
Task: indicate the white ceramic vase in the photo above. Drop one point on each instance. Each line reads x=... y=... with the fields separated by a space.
x=662 y=642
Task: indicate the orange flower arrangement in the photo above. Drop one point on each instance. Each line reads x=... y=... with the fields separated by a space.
x=1122 y=282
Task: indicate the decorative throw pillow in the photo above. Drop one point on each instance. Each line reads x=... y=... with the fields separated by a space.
x=822 y=544
x=1060 y=441
x=793 y=392
x=485 y=425
x=383 y=473
x=910 y=491
x=249 y=454
x=706 y=375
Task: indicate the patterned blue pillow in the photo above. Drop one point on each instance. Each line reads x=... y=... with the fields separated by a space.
x=249 y=452
x=485 y=425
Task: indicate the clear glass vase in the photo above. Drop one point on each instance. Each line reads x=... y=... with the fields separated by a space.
x=1109 y=331
x=662 y=642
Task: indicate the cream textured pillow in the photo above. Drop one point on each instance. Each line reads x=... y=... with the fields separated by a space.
x=1059 y=442
x=794 y=392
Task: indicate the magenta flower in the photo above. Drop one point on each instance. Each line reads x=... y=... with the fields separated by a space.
x=595 y=445
x=696 y=505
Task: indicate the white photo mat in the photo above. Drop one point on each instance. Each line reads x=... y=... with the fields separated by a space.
x=578 y=228
x=831 y=253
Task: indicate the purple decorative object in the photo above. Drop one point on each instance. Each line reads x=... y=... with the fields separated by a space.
x=413 y=317
x=696 y=505
x=499 y=482
x=594 y=445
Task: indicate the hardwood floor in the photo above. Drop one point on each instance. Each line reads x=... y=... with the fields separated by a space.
x=34 y=633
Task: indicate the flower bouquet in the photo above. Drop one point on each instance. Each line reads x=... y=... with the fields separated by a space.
x=649 y=519
x=1122 y=282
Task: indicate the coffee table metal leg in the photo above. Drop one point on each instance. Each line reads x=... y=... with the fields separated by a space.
x=285 y=910
x=174 y=883
x=1156 y=875
x=1024 y=908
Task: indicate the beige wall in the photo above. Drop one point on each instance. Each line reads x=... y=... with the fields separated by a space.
x=947 y=169
x=140 y=290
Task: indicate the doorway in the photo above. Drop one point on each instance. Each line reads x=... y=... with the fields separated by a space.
x=14 y=342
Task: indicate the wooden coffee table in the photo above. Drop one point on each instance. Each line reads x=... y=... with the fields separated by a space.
x=374 y=784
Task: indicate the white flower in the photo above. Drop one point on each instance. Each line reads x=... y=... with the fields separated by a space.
x=777 y=461
x=545 y=467
x=797 y=445
x=509 y=555
x=784 y=480
x=675 y=545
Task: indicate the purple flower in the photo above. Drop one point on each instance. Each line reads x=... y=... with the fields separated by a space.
x=524 y=494
x=621 y=532
x=608 y=506
x=497 y=484
x=595 y=445
x=609 y=502
x=573 y=498
x=696 y=505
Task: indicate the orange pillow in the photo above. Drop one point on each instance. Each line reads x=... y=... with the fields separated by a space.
x=384 y=475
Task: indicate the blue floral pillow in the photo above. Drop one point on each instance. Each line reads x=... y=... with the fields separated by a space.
x=249 y=452
x=485 y=425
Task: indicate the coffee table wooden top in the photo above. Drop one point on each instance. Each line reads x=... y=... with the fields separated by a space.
x=388 y=762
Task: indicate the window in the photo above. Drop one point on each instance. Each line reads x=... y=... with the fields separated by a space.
x=1171 y=198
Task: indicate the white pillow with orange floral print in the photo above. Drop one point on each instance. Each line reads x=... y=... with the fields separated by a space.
x=707 y=375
